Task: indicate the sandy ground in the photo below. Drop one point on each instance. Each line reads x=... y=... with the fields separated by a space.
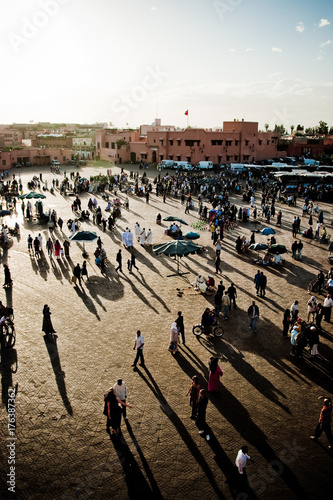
x=267 y=399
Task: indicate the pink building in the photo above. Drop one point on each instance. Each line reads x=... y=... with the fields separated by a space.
x=35 y=156
x=238 y=141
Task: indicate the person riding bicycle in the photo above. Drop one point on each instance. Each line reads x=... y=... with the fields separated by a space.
x=206 y=321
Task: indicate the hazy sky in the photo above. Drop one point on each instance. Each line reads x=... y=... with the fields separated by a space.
x=128 y=61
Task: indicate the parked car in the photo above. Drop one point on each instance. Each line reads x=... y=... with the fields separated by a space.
x=55 y=163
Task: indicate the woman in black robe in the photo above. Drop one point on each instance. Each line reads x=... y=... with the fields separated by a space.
x=47 y=323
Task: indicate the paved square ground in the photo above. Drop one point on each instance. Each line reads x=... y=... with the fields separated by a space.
x=267 y=400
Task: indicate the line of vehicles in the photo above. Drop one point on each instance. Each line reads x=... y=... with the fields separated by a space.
x=286 y=164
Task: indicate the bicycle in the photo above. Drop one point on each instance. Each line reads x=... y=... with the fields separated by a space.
x=216 y=330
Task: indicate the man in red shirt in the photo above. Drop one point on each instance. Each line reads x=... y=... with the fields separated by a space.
x=324 y=423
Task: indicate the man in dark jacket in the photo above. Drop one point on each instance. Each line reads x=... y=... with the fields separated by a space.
x=253 y=314
x=262 y=284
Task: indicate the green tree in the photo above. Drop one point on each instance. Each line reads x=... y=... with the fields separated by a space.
x=323 y=128
x=300 y=128
x=266 y=127
x=292 y=129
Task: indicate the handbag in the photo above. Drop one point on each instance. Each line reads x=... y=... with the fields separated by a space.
x=74 y=280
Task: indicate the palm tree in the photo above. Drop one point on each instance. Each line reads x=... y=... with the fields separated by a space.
x=292 y=129
x=266 y=126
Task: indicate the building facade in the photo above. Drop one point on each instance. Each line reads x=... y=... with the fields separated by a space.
x=238 y=141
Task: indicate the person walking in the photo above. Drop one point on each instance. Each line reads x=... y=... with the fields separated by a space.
x=119 y=259
x=201 y=413
x=232 y=292
x=253 y=314
x=286 y=322
x=215 y=373
x=47 y=323
x=57 y=248
x=328 y=303
x=30 y=241
x=66 y=245
x=257 y=281
x=294 y=311
x=240 y=463
x=180 y=325
x=112 y=411
x=262 y=284
x=120 y=391
x=194 y=391
x=8 y=280
x=218 y=264
x=49 y=247
x=84 y=271
x=77 y=274
x=173 y=344
x=133 y=261
x=226 y=303
x=138 y=345
x=324 y=423
x=312 y=308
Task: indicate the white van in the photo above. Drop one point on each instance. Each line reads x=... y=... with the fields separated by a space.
x=237 y=168
x=205 y=165
x=183 y=165
x=167 y=164
x=55 y=163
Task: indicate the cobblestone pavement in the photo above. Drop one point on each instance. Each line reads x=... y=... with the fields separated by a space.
x=267 y=400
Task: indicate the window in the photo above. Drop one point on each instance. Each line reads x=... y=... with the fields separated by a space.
x=171 y=142
x=107 y=145
x=217 y=143
x=179 y=142
x=246 y=157
x=260 y=142
x=64 y=158
x=236 y=157
x=191 y=143
x=154 y=140
x=3 y=162
x=229 y=157
x=143 y=156
x=178 y=158
x=161 y=142
x=228 y=143
x=236 y=142
x=246 y=142
x=98 y=145
x=170 y=157
x=112 y=145
x=267 y=142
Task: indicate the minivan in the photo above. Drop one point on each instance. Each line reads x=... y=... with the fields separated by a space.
x=205 y=165
x=55 y=162
x=167 y=164
x=183 y=165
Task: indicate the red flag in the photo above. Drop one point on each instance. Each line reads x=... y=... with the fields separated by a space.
x=186 y=112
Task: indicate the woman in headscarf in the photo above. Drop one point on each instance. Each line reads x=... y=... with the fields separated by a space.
x=173 y=338
x=215 y=373
x=47 y=323
x=57 y=248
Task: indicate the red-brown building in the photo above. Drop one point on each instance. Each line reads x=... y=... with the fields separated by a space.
x=238 y=141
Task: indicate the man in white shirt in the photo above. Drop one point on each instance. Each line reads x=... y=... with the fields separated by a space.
x=241 y=459
x=294 y=310
x=328 y=303
x=138 y=345
x=120 y=391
